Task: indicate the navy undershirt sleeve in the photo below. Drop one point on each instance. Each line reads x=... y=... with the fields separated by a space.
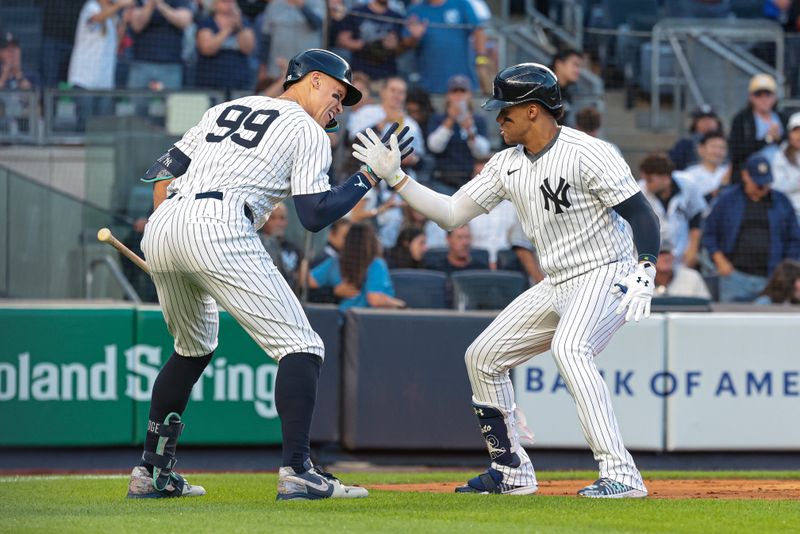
x=318 y=210
x=644 y=223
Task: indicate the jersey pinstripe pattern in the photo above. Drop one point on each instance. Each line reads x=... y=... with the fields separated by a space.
x=563 y=198
x=204 y=252
x=569 y=240
x=293 y=156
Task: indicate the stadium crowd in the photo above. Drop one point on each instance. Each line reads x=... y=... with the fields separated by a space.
x=728 y=196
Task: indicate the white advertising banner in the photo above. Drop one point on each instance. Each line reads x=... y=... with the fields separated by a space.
x=733 y=382
x=631 y=366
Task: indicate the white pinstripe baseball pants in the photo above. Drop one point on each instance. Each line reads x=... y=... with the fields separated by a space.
x=203 y=252
x=576 y=319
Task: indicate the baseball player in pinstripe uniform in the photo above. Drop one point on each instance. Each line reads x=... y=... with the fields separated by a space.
x=573 y=194
x=212 y=190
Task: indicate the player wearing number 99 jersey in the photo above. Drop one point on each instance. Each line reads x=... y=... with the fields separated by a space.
x=212 y=190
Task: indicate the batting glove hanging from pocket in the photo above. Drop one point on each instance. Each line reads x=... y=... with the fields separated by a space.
x=637 y=289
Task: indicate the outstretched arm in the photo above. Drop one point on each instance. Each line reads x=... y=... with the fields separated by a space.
x=318 y=210
x=448 y=212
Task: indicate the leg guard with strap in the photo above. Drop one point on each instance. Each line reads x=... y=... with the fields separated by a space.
x=495 y=432
x=163 y=458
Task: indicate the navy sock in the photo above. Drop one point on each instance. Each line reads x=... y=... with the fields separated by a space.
x=295 y=396
x=171 y=391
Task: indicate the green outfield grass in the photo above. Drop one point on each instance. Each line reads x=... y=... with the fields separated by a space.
x=246 y=503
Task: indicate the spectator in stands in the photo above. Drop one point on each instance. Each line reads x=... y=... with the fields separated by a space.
x=419 y=108
x=441 y=31
x=409 y=250
x=677 y=203
x=526 y=254
x=786 y=164
x=337 y=15
x=567 y=65
x=749 y=231
x=458 y=138
x=459 y=254
x=712 y=171
x=589 y=120
x=94 y=55
x=492 y=231
x=333 y=247
x=224 y=41
x=285 y=254
x=251 y=9
x=371 y=32
x=12 y=75
x=272 y=86
x=787 y=14
x=783 y=286
x=381 y=116
x=684 y=151
x=291 y=27
x=675 y=280
x=757 y=127
x=158 y=27
x=359 y=276
x=59 y=19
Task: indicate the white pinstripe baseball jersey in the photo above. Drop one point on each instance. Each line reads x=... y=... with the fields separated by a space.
x=563 y=197
x=203 y=250
x=258 y=149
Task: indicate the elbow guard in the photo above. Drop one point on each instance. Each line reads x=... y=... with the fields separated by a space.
x=171 y=164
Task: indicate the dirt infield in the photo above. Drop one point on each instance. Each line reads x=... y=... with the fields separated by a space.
x=659 y=489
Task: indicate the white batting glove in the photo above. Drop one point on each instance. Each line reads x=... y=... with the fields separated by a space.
x=383 y=161
x=638 y=291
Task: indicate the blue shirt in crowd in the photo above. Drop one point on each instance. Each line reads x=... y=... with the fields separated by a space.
x=373 y=59
x=444 y=52
x=723 y=224
x=159 y=41
x=228 y=68
x=377 y=280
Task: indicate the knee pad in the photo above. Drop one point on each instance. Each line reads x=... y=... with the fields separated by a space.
x=163 y=458
x=495 y=432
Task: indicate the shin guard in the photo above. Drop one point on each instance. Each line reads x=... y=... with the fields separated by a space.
x=495 y=432
x=163 y=458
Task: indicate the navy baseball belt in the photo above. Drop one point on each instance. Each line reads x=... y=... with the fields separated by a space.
x=217 y=195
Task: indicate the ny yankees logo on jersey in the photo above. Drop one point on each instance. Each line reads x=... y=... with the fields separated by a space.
x=559 y=196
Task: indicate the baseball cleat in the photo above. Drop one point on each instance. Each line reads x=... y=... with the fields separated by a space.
x=492 y=482
x=314 y=484
x=141 y=486
x=605 y=488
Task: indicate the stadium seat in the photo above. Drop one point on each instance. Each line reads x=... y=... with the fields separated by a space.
x=434 y=255
x=420 y=288
x=712 y=283
x=507 y=260
x=486 y=290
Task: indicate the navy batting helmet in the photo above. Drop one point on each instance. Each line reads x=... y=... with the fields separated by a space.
x=526 y=82
x=327 y=63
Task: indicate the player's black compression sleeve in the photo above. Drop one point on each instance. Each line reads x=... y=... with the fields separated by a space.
x=171 y=164
x=644 y=223
x=318 y=210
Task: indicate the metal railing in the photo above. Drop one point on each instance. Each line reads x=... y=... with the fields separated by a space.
x=117 y=275
x=695 y=43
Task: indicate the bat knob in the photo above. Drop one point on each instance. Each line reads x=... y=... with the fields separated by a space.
x=104 y=234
